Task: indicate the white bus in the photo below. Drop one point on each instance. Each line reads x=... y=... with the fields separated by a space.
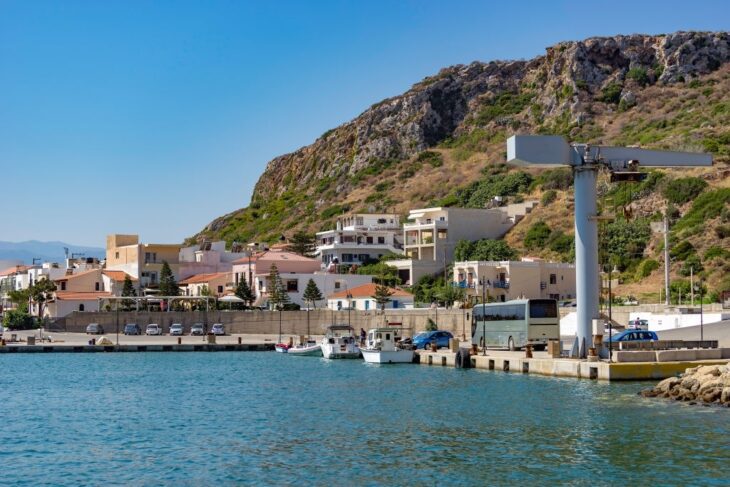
x=514 y=324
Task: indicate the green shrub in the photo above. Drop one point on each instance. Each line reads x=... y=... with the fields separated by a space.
x=503 y=105
x=435 y=159
x=537 y=236
x=333 y=210
x=481 y=192
x=715 y=251
x=682 y=190
x=692 y=264
x=722 y=231
x=556 y=179
x=431 y=325
x=625 y=241
x=639 y=75
x=18 y=320
x=706 y=206
x=645 y=268
x=383 y=186
x=611 y=93
x=485 y=249
x=548 y=197
x=561 y=243
x=682 y=250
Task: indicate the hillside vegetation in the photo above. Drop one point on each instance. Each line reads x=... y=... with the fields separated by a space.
x=443 y=143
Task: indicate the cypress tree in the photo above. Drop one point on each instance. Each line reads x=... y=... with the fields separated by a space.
x=312 y=294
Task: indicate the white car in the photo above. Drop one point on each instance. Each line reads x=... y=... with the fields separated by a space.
x=153 y=329
x=218 y=329
x=176 y=329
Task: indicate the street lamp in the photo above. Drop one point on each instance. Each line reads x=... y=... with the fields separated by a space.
x=483 y=282
x=349 y=306
x=702 y=334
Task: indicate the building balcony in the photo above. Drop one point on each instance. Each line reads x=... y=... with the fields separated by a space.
x=500 y=284
x=426 y=225
x=464 y=284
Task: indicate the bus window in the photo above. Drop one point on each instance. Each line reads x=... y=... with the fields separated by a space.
x=543 y=308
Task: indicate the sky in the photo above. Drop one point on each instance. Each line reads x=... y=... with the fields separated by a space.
x=155 y=117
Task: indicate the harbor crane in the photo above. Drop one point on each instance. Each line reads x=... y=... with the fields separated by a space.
x=585 y=160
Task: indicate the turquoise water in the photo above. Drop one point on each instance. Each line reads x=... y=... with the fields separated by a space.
x=266 y=418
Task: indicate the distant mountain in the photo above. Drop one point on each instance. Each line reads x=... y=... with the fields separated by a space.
x=46 y=251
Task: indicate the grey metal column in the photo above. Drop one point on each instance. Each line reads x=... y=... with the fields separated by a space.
x=586 y=253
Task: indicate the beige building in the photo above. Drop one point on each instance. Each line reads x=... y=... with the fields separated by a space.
x=140 y=260
x=360 y=238
x=217 y=283
x=505 y=280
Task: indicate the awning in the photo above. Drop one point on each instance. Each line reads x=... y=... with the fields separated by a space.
x=415 y=215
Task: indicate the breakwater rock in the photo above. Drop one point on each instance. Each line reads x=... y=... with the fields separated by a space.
x=706 y=384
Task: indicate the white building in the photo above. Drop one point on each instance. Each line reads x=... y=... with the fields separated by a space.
x=678 y=318
x=295 y=284
x=207 y=258
x=360 y=238
x=429 y=241
x=361 y=298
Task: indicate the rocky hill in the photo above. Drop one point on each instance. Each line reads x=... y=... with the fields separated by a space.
x=443 y=142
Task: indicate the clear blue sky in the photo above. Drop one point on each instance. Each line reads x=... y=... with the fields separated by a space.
x=154 y=117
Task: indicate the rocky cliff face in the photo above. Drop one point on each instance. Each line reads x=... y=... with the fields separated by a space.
x=571 y=90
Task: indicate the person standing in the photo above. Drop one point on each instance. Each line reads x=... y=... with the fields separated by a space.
x=363 y=336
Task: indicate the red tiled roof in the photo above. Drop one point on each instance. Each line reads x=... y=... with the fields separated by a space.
x=80 y=296
x=366 y=291
x=203 y=278
x=73 y=276
x=118 y=275
x=16 y=268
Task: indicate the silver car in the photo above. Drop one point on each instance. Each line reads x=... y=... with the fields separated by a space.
x=218 y=329
x=196 y=329
x=153 y=329
x=176 y=329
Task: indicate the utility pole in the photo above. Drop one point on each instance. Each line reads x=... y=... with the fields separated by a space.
x=692 y=285
x=666 y=259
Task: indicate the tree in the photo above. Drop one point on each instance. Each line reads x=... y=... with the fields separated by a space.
x=20 y=297
x=18 y=319
x=382 y=295
x=205 y=291
x=168 y=284
x=41 y=292
x=386 y=274
x=302 y=243
x=278 y=297
x=312 y=294
x=485 y=249
x=450 y=294
x=128 y=291
x=244 y=292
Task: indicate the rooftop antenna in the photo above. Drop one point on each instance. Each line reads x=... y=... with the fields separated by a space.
x=585 y=161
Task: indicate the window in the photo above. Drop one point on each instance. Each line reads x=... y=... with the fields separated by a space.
x=63 y=285
x=337 y=284
x=508 y=312
x=116 y=255
x=96 y=287
x=339 y=305
x=382 y=220
x=292 y=285
x=367 y=304
x=369 y=240
x=220 y=289
x=363 y=257
x=381 y=240
x=346 y=257
x=553 y=279
x=543 y=308
x=82 y=307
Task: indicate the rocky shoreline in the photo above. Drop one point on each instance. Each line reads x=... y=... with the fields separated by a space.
x=706 y=385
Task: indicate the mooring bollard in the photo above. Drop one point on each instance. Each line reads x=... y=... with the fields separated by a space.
x=179 y=340
x=239 y=340
x=528 y=351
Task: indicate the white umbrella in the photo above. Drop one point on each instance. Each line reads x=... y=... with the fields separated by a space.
x=231 y=298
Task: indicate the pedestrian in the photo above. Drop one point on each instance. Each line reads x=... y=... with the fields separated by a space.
x=363 y=335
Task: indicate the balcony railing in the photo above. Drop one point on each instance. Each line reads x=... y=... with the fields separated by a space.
x=464 y=284
x=500 y=284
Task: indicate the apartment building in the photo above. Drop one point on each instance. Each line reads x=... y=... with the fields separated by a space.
x=208 y=258
x=217 y=284
x=360 y=238
x=361 y=298
x=505 y=280
x=429 y=240
x=143 y=261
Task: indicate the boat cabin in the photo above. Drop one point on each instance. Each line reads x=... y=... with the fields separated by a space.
x=383 y=338
x=340 y=334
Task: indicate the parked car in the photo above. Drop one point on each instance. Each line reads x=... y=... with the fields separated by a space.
x=196 y=329
x=153 y=329
x=176 y=329
x=132 y=329
x=638 y=325
x=218 y=329
x=633 y=336
x=426 y=338
x=94 y=329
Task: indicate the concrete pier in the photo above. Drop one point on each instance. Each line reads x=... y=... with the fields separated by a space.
x=564 y=367
x=201 y=347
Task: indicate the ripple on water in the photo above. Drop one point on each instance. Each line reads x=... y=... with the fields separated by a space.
x=265 y=418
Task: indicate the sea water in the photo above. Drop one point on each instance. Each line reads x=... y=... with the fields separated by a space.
x=266 y=418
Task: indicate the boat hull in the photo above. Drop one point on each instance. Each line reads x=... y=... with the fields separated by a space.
x=311 y=351
x=338 y=351
x=281 y=348
x=387 y=357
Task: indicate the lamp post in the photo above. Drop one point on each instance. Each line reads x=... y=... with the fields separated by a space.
x=702 y=334
x=349 y=306
x=483 y=283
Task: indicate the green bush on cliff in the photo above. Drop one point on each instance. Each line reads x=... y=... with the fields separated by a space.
x=682 y=190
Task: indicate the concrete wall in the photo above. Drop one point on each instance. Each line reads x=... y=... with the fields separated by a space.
x=267 y=322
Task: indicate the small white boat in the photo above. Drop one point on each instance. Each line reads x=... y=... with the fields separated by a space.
x=340 y=342
x=309 y=349
x=382 y=348
x=281 y=347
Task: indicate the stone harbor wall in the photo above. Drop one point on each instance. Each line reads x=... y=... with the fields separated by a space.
x=706 y=384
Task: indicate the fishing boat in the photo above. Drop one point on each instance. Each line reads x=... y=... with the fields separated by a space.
x=306 y=349
x=382 y=347
x=340 y=342
x=282 y=347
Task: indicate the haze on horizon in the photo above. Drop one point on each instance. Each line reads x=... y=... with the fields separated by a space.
x=155 y=118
